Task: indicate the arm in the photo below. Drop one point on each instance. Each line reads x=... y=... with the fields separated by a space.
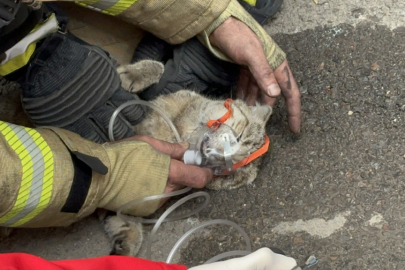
x=54 y=177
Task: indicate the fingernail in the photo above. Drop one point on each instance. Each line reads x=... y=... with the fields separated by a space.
x=185 y=145
x=273 y=90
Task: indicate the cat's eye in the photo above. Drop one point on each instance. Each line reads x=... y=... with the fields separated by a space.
x=238 y=139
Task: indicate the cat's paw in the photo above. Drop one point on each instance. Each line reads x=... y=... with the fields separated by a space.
x=126 y=236
x=140 y=75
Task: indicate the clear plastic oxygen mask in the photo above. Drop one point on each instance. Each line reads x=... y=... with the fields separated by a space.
x=212 y=148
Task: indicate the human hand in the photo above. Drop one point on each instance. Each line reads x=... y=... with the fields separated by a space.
x=257 y=80
x=180 y=174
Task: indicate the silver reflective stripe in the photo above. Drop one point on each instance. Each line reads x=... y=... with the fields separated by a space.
x=37 y=177
x=104 y=4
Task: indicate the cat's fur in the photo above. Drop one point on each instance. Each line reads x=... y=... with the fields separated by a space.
x=188 y=111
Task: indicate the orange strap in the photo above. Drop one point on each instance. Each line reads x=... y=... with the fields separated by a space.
x=262 y=150
x=215 y=123
x=259 y=152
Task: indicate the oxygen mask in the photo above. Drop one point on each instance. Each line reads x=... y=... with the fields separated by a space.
x=214 y=146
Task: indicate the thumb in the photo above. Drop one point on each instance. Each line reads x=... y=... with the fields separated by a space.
x=263 y=73
x=174 y=150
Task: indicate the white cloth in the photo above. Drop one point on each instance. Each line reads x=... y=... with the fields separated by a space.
x=262 y=259
x=50 y=26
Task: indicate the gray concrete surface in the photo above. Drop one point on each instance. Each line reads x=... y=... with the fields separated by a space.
x=336 y=191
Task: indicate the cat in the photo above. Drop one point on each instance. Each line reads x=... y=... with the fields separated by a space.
x=188 y=111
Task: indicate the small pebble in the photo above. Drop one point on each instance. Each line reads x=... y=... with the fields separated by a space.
x=350 y=113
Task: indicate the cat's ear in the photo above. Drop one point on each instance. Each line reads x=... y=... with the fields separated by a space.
x=262 y=112
x=140 y=75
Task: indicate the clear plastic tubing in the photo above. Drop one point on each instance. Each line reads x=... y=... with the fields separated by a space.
x=220 y=256
x=163 y=217
x=139 y=102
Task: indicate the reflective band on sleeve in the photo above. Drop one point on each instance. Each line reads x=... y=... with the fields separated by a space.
x=251 y=2
x=109 y=7
x=20 y=54
x=18 y=62
x=36 y=157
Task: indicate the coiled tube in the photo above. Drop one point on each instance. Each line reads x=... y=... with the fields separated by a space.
x=220 y=256
x=139 y=102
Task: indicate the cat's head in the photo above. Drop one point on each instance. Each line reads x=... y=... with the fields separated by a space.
x=248 y=124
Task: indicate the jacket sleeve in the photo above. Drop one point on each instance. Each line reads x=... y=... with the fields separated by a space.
x=174 y=21
x=52 y=177
x=22 y=261
x=274 y=54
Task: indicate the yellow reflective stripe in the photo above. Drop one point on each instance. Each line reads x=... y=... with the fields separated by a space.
x=115 y=7
x=89 y=6
x=17 y=62
x=27 y=173
x=251 y=2
x=46 y=192
x=22 y=59
x=120 y=6
x=87 y=3
x=37 y=162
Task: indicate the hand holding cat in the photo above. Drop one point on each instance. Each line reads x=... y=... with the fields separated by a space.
x=242 y=45
x=180 y=174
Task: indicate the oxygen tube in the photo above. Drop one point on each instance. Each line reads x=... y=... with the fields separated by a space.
x=164 y=217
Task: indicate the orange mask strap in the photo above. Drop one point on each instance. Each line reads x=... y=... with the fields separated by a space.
x=215 y=123
x=254 y=155
x=259 y=152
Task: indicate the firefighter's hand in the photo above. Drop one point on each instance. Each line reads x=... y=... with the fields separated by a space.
x=180 y=174
x=258 y=81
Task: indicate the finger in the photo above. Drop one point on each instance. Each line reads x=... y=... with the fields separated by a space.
x=174 y=150
x=265 y=99
x=187 y=175
x=291 y=94
x=294 y=115
x=253 y=93
x=243 y=82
